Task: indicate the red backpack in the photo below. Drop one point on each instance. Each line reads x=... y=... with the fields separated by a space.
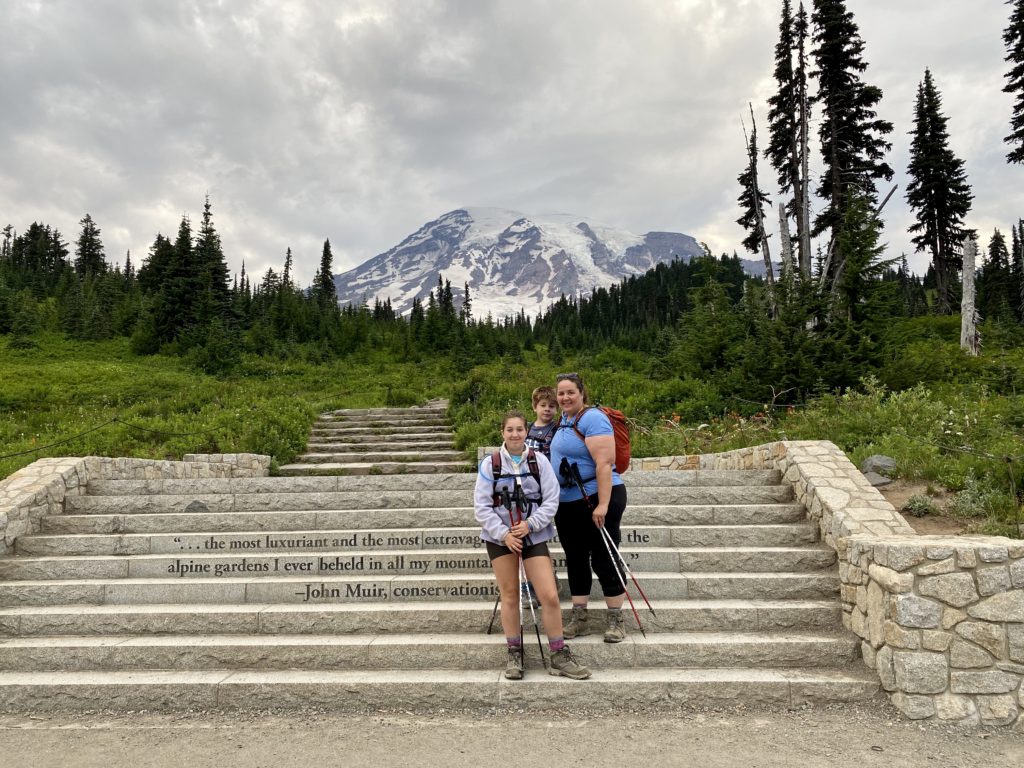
x=621 y=431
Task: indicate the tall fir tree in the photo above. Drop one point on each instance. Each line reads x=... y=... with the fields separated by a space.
x=89 y=257
x=788 y=122
x=323 y=290
x=1013 y=37
x=753 y=203
x=938 y=192
x=995 y=288
x=208 y=255
x=852 y=136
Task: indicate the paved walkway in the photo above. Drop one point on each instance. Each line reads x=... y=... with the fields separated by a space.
x=805 y=738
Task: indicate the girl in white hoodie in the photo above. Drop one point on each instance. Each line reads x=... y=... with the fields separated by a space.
x=508 y=541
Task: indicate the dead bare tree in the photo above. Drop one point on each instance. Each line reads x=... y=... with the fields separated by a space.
x=970 y=337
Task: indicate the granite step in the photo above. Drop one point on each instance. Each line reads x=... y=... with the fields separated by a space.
x=156 y=522
x=431 y=690
x=380 y=586
x=369 y=449
x=380 y=457
x=633 y=536
x=693 y=615
x=382 y=421
x=374 y=468
x=681 y=650
x=460 y=481
x=408 y=437
x=205 y=503
x=424 y=410
x=335 y=561
x=334 y=428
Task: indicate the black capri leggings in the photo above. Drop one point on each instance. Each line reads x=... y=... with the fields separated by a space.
x=584 y=545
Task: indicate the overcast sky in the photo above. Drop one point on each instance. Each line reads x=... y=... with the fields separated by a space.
x=360 y=120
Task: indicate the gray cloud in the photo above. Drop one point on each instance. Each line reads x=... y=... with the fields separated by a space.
x=360 y=120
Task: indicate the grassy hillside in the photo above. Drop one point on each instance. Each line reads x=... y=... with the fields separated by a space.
x=935 y=429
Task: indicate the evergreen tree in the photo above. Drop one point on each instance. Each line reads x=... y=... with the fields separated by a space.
x=851 y=134
x=1013 y=37
x=89 y=249
x=994 y=283
x=214 y=297
x=753 y=202
x=323 y=290
x=937 y=191
x=788 y=119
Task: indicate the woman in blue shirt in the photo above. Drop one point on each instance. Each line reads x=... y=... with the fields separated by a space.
x=585 y=439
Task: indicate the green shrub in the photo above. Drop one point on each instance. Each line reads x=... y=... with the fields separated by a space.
x=919 y=505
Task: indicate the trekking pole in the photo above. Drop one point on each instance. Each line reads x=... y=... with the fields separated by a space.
x=497 y=599
x=606 y=538
x=521 y=503
x=627 y=569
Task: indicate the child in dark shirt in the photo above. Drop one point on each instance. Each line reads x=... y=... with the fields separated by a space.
x=543 y=429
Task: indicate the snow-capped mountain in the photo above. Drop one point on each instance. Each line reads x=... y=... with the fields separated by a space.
x=510 y=260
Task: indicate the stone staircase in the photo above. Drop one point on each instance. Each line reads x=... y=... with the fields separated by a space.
x=363 y=592
x=379 y=441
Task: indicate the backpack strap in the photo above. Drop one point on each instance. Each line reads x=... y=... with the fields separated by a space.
x=531 y=463
x=495 y=476
x=577 y=421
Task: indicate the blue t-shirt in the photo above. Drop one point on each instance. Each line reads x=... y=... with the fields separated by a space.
x=567 y=444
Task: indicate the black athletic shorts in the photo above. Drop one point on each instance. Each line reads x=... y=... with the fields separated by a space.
x=494 y=551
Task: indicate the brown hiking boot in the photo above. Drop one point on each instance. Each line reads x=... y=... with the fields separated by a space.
x=616 y=631
x=514 y=665
x=578 y=624
x=563 y=664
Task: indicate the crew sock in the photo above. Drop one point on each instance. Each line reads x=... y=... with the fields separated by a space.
x=556 y=644
x=513 y=642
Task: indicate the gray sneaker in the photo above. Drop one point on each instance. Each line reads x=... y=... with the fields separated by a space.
x=514 y=665
x=564 y=665
x=616 y=631
x=578 y=624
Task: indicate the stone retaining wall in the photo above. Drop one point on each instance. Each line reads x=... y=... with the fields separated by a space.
x=941 y=618
x=40 y=488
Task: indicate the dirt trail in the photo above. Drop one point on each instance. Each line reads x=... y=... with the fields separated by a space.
x=862 y=737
